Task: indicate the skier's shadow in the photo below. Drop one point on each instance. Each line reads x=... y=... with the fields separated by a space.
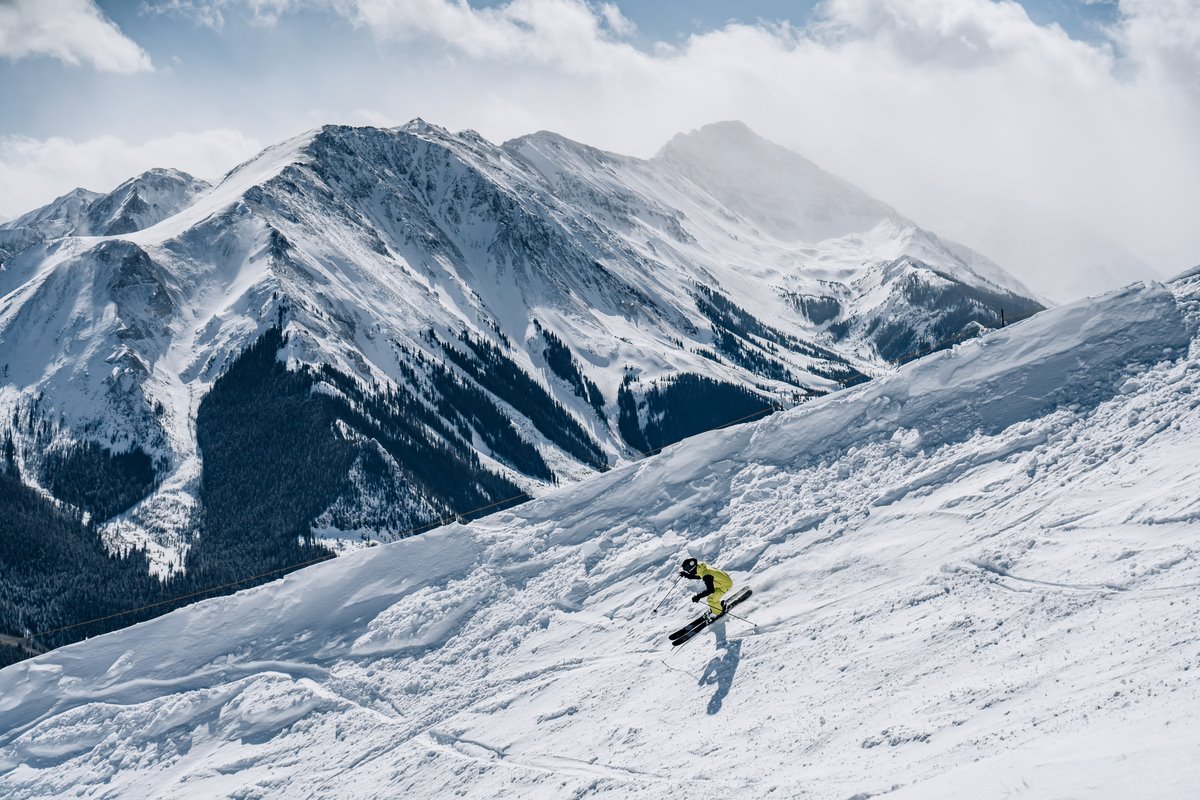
x=720 y=670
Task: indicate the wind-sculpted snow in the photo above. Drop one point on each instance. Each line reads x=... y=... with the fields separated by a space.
x=974 y=578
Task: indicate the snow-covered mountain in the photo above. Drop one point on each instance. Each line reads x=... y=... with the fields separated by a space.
x=59 y=217
x=137 y=203
x=361 y=332
x=975 y=577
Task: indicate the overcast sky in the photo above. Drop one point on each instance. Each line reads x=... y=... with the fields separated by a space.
x=1073 y=120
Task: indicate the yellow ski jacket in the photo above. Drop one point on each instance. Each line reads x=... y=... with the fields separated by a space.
x=721 y=583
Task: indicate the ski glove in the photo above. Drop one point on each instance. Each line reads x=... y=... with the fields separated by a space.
x=696 y=598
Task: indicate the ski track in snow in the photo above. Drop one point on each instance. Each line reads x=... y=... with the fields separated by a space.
x=976 y=578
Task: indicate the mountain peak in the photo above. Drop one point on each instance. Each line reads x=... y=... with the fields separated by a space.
x=725 y=137
x=158 y=177
x=141 y=202
x=419 y=126
x=724 y=129
x=167 y=173
x=778 y=190
x=78 y=193
x=59 y=215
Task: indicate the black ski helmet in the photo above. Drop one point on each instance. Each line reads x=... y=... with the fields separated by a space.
x=689 y=565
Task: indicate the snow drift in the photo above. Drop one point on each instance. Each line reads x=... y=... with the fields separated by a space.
x=973 y=578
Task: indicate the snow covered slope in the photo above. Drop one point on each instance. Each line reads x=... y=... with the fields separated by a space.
x=976 y=577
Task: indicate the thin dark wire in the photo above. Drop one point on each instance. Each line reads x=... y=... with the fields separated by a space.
x=461 y=515
x=157 y=603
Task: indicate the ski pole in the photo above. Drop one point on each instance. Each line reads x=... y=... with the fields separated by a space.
x=743 y=619
x=666 y=594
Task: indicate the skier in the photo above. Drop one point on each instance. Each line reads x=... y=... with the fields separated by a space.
x=716 y=584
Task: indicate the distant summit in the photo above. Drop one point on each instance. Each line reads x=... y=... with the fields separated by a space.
x=784 y=194
x=137 y=203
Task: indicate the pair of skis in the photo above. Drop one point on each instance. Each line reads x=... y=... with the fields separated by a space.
x=704 y=620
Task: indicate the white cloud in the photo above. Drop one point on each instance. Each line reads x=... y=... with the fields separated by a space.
x=567 y=33
x=208 y=13
x=1163 y=38
x=211 y=13
x=617 y=22
x=73 y=31
x=36 y=171
x=956 y=33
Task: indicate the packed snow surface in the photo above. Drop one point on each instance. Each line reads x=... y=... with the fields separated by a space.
x=974 y=578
